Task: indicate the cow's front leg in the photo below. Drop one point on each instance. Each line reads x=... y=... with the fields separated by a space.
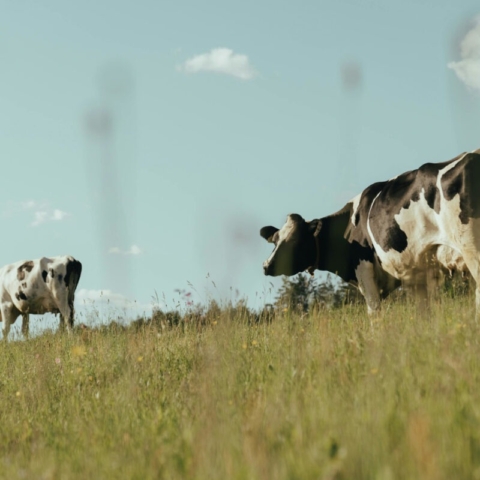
x=25 y=324
x=8 y=317
x=367 y=284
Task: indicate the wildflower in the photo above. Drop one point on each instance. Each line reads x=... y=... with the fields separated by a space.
x=374 y=371
x=139 y=359
x=18 y=394
x=244 y=346
x=254 y=342
x=214 y=322
x=58 y=361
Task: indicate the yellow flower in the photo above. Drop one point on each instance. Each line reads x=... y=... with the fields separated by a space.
x=139 y=359
x=79 y=351
x=18 y=394
x=374 y=371
x=254 y=343
x=244 y=346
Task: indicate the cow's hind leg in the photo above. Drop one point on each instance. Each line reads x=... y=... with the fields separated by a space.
x=472 y=261
x=66 y=314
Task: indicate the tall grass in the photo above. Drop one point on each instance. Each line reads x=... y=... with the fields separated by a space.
x=329 y=395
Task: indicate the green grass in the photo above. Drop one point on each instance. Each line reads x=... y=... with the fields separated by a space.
x=326 y=396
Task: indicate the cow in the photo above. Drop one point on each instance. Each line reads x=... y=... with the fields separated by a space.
x=37 y=287
x=397 y=232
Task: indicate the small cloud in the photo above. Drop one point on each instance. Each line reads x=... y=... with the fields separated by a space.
x=43 y=216
x=28 y=204
x=133 y=250
x=40 y=217
x=59 y=215
x=468 y=68
x=42 y=212
x=106 y=298
x=220 y=60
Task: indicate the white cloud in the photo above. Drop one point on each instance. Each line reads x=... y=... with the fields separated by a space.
x=220 y=60
x=106 y=298
x=28 y=204
x=468 y=68
x=59 y=215
x=133 y=250
x=42 y=212
x=42 y=216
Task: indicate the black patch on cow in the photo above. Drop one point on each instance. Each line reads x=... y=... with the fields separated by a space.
x=52 y=273
x=24 y=284
x=72 y=277
x=338 y=254
x=23 y=269
x=464 y=180
x=359 y=232
x=74 y=270
x=44 y=275
x=397 y=194
x=60 y=277
x=20 y=295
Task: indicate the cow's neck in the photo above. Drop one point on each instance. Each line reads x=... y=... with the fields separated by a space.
x=337 y=255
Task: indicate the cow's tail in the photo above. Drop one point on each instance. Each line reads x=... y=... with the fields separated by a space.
x=72 y=277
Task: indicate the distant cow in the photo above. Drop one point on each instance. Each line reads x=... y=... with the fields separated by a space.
x=401 y=231
x=36 y=287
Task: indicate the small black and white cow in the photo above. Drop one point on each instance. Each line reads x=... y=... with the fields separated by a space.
x=37 y=287
x=402 y=231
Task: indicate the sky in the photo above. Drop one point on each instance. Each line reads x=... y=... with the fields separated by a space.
x=152 y=140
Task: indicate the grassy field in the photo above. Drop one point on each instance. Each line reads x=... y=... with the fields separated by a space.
x=325 y=396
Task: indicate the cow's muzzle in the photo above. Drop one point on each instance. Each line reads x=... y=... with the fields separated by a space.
x=266 y=268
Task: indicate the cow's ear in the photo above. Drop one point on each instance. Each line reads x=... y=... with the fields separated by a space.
x=315 y=226
x=268 y=232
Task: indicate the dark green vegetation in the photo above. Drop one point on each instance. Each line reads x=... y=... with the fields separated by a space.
x=322 y=394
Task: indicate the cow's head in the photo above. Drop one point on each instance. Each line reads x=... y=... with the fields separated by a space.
x=295 y=246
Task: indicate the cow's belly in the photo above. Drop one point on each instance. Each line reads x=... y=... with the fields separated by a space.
x=35 y=305
x=404 y=266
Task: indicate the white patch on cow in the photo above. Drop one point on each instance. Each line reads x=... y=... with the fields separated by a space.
x=355 y=201
x=443 y=171
x=367 y=285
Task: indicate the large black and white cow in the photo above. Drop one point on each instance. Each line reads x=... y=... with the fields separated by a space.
x=401 y=231
x=37 y=287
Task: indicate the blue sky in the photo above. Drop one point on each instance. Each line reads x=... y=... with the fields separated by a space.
x=129 y=142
